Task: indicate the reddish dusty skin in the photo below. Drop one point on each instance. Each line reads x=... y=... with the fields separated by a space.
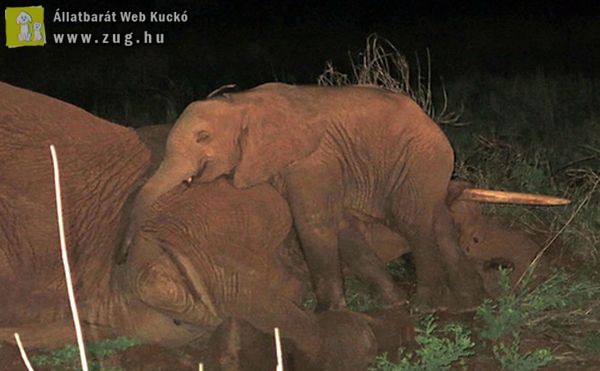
x=101 y=164
x=486 y=240
x=249 y=277
x=362 y=148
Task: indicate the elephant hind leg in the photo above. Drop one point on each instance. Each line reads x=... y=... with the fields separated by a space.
x=362 y=260
x=463 y=277
x=445 y=277
x=433 y=292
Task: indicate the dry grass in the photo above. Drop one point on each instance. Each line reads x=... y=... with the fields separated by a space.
x=381 y=64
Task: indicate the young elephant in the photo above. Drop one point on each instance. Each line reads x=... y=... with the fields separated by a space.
x=335 y=148
x=361 y=148
x=366 y=245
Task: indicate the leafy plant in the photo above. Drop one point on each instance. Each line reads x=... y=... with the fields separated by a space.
x=591 y=343
x=67 y=357
x=552 y=299
x=503 y=316
x=511 y=359
x=359 y=297
x=436 y=352
x=401 y=269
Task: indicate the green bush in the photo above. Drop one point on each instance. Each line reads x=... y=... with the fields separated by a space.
x=557 y=298
x=511 y=359
x=503 y=316
x=440 y=349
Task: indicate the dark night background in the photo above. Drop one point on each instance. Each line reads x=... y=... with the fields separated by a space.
x=249 y=42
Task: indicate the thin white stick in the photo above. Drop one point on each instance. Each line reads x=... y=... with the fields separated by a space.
x=23 y=354
x=278 y=350
x=200 y=366
x=65 y=259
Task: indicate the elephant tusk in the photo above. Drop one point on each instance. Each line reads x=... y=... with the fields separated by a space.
x=501 y=197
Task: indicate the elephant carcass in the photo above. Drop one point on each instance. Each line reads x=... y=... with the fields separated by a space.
x=101 y=165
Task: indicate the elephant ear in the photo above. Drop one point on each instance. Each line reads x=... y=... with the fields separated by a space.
x=270 y=140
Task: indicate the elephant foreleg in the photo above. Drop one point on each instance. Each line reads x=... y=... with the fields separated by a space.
x=315 y=195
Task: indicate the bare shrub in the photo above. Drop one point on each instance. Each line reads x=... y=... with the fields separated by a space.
x=381 y=64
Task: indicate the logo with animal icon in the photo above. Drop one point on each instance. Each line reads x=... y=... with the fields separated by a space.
x=25 y=26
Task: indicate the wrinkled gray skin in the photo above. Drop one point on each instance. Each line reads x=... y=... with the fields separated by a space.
x=176 y=271
x=211 y=252
x=331 y=149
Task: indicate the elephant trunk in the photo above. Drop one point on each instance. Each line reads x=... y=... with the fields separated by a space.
x=168 y=176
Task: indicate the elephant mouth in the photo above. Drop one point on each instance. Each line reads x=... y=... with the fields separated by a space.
x=201 y=169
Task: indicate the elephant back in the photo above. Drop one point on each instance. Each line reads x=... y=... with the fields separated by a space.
x=100 y=162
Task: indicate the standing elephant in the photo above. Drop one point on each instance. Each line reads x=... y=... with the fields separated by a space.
x=366 y=245
x=330 y=149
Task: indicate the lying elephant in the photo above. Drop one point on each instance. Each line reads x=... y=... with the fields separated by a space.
x=101 y=164
x=182 y=278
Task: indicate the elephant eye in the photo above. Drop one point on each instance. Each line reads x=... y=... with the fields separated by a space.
x=475 y=239
x=202 y=136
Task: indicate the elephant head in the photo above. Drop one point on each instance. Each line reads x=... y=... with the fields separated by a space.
x=228 y=135
x=488 y=241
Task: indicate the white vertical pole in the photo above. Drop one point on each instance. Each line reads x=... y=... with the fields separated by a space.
x=278 y=350
x=65 y=259
x=23 y=354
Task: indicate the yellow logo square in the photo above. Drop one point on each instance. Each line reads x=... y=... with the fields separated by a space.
x=25 y=26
